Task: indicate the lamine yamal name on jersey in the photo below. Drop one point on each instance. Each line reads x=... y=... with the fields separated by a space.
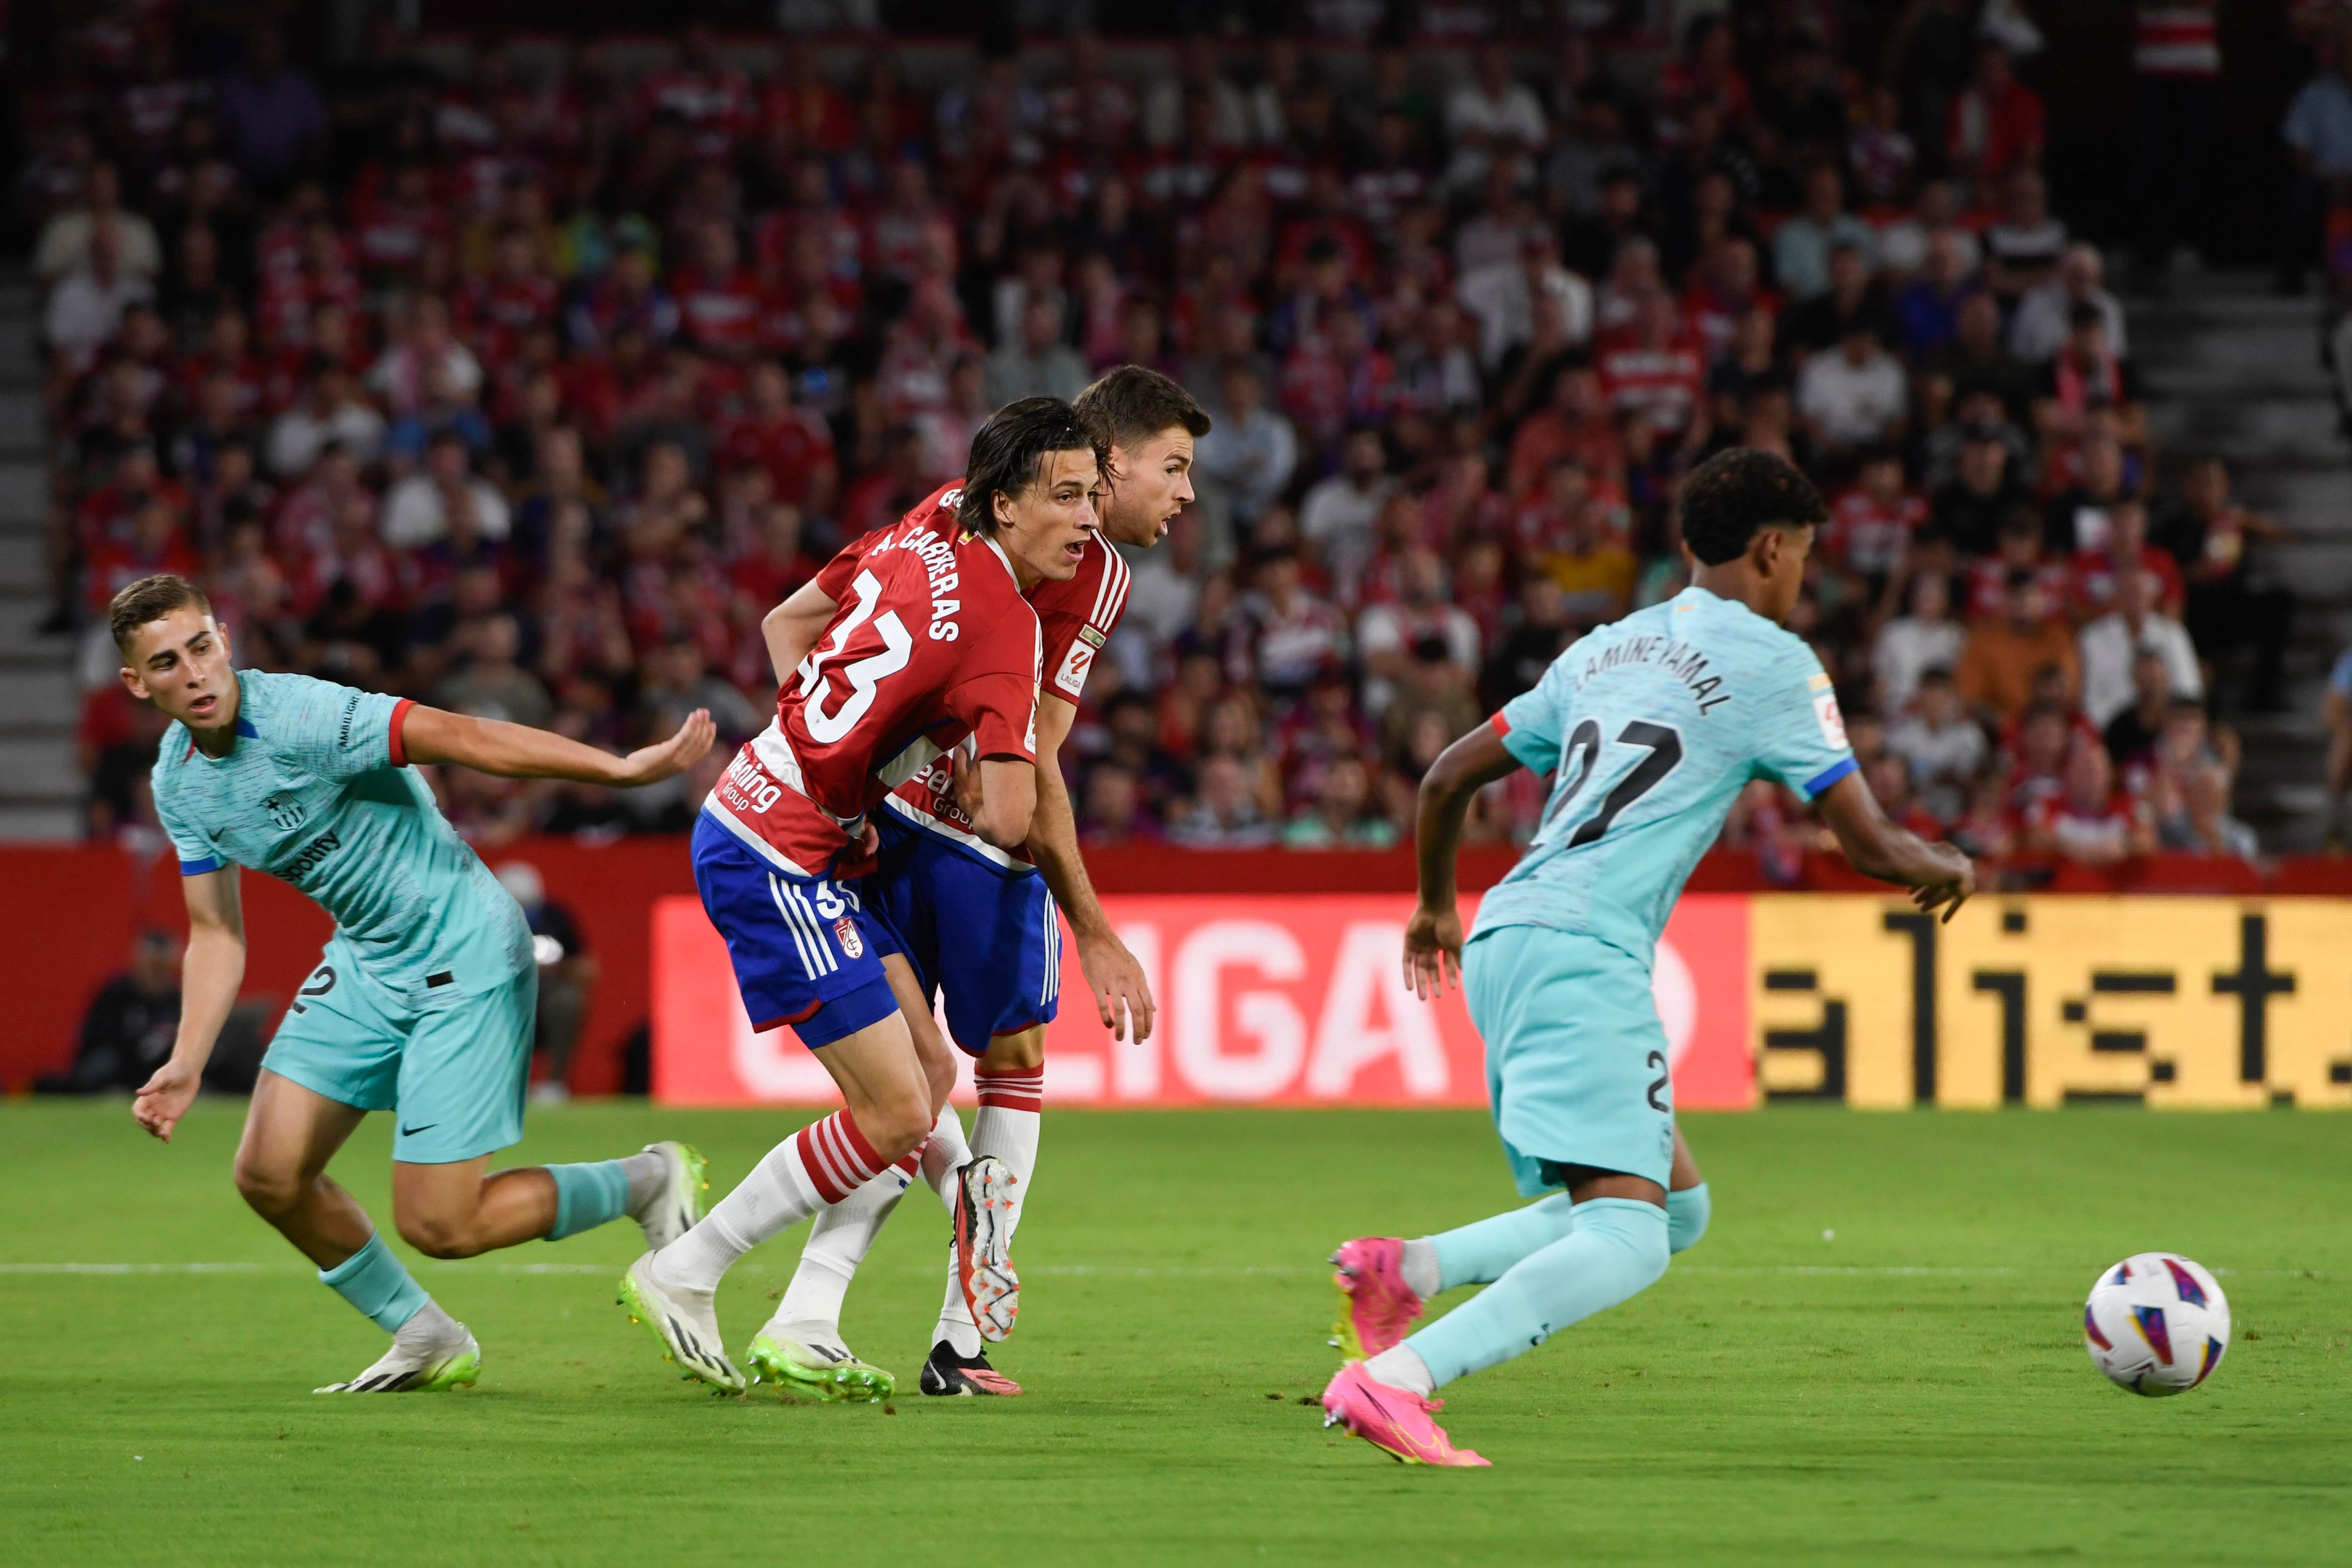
x=1684 y=661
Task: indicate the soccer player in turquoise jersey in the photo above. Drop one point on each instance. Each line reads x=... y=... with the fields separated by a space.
x=422 y=1003
x=1650 y=726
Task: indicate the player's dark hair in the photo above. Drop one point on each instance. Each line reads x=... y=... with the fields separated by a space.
x=1133 y=403
x=151 y=599
x=1736 y=492
x=1008 y=455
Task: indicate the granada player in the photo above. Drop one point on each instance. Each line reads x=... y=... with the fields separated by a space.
x=423 y=1001
x=977 y=921
x=930 y=651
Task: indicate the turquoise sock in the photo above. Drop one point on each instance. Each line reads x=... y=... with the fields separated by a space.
x=587 y=1195
x=1687 y=1213
x=377 y=1284
x=1482 y=1251
x=1616 y=1250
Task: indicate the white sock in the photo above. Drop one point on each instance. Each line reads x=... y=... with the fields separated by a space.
x=648 y=1174
x=822 y=1164
x=837 y=1244
x=1006 y=1127
x=956 y=1330
x=944 y=1157
x=1419 y=1266
x=1400 y=1366
x=429 y=1328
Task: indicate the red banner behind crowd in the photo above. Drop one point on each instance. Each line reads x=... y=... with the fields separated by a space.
x=1274 y=999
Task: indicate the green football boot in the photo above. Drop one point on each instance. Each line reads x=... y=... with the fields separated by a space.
x=826 y=1372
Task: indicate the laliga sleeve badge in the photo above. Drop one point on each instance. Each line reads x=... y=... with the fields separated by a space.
x=1832 y=722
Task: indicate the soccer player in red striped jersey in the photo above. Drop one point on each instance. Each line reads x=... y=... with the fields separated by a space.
x=930 y=650
x=976 y=920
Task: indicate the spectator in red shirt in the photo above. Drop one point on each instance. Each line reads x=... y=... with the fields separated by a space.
x=2096 y=571
x=792 y=445
x=497 y=311
x=711 y=99
x=1653 y=372
x=719 y=301
x=2089 y=822
x=1889 y=778
x=1574 y=423
x=1871 y=526
x=1994 y=125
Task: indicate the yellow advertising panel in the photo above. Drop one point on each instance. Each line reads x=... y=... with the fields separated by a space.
x=2205 y=1003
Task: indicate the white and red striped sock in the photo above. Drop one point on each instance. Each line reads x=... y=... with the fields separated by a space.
x=1010 y=1111
x=845 y=1232
x=819 y=1166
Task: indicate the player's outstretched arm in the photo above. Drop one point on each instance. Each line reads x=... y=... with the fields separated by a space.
x=1432 y=938
x=211 y=976
x=792 y=629
x=1123 y=995
x=1938 y=875
x=517 y=751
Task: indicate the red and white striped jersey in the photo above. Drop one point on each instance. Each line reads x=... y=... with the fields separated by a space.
x=930 y=642
x=1075 y=616
x=1662 y=382
x=2176 y=40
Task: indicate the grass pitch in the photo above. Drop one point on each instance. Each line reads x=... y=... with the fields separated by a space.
x=1873 y=1358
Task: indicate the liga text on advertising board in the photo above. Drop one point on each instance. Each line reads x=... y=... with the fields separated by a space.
x=1295 y=1000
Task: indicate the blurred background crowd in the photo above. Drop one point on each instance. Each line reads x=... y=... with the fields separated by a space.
x=523 y=381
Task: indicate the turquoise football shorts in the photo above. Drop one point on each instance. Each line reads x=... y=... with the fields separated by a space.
x=454 y=1070
x=1577 y=1070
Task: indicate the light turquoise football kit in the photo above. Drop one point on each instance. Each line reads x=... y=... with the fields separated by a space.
x=1651 y=728
x=424 y=1000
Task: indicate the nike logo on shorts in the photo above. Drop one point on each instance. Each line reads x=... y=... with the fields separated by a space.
x=412 y=1132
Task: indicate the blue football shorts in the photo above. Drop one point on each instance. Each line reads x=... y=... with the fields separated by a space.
x=986 y=935
x=804 y=949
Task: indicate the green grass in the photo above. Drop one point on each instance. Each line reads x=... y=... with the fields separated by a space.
x=1780 y=1396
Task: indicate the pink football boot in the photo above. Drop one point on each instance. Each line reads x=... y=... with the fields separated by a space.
x=1375 y=1305
x=1393 y=1420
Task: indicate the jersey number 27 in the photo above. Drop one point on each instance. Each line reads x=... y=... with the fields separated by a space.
x=1582 y=752
x=863 y=674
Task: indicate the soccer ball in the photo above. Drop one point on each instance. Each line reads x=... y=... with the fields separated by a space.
x=2156 y=1323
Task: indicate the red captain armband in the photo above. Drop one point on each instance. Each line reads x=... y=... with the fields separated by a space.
x=399 y=746
x=1499 y=725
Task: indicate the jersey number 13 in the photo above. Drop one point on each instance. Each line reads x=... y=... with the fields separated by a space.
x=863 y=674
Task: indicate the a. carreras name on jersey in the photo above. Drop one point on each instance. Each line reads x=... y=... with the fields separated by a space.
x=938 y=555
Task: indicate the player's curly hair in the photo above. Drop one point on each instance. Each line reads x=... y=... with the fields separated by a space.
x=1734 y=493
x=1008 y=455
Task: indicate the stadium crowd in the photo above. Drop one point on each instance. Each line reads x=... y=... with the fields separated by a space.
x=525 y=388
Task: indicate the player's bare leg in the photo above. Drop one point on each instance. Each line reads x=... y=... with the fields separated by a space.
x=290 y=1133
x=800 y=1349
x=886 y=1117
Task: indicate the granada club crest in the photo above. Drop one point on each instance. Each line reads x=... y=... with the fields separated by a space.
x=851 y=942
